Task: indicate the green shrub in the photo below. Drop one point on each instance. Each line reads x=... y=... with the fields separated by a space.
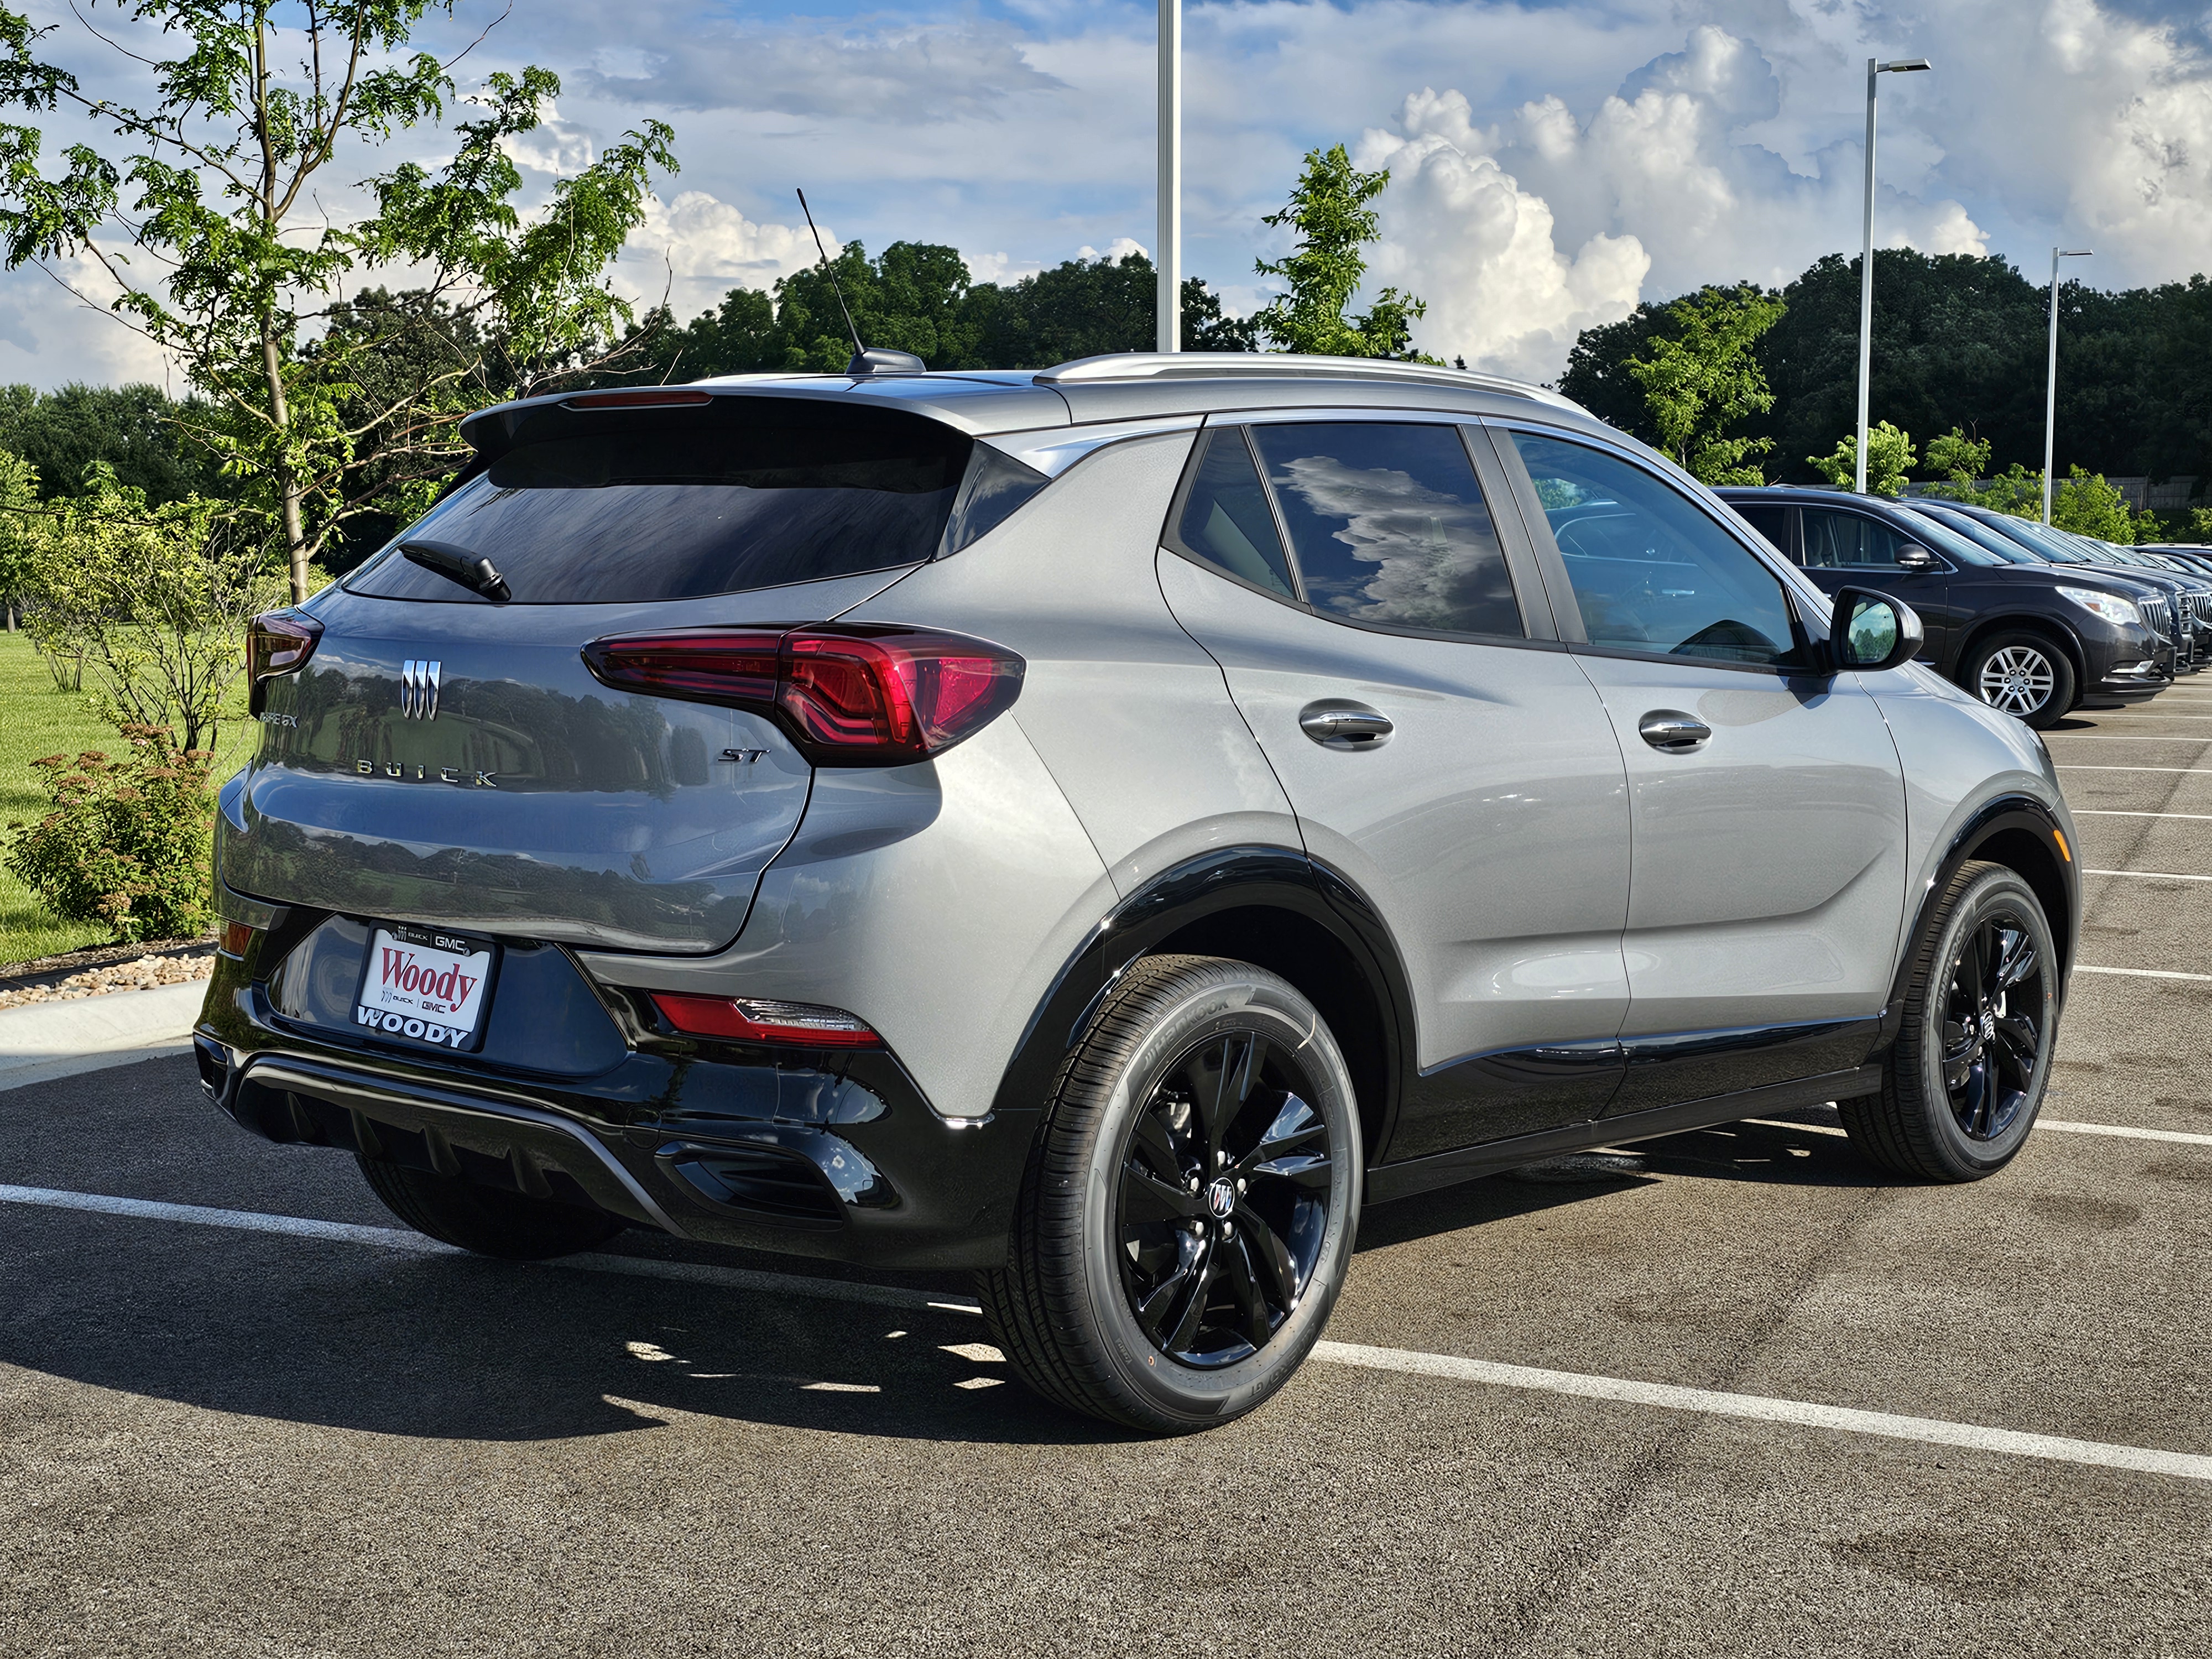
x=127 y=841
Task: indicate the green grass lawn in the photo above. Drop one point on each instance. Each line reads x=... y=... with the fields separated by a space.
x=36 y=719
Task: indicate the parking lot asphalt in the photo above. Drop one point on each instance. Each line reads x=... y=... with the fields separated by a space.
x=226 y=1440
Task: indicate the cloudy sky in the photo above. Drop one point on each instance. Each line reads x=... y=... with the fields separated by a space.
x=1552 y=162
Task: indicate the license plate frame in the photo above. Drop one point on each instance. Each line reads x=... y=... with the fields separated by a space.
x=387 y=1009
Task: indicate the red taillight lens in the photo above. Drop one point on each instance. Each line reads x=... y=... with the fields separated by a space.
x=237 y=938
x=760 y=1019
x=852 y=694
x=277 y=643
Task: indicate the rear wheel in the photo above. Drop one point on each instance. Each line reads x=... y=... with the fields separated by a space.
x=1188 y=1214
x=514 y=1226
x=1962 y=1085
x=2025 y=674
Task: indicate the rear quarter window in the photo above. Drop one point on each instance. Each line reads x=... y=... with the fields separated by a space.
x=742 y=493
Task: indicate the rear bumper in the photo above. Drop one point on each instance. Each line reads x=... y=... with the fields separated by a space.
x=832 y=1156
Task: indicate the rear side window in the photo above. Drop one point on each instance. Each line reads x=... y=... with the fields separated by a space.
x=1226 y=520
x=744 y=493
x=1771 y=522
x=1389 y=526
x=1849 y=541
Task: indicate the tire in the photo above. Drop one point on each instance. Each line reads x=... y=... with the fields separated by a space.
x=2027 y=675
x=1132 y=1293
x=1959 y=1095
x=512 y=1226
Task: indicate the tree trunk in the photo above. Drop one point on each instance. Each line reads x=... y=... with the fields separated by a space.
x=287 y=482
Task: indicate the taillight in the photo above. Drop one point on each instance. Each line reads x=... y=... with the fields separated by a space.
x=761 y=1020
x=859 y=694
x=276 y=642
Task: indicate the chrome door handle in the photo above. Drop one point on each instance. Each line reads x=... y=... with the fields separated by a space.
x=1335 y=724
x=1672 y=731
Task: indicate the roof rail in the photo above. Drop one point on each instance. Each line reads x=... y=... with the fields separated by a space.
x=1282 y=365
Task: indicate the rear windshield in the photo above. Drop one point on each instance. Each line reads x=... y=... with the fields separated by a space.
x=742 y=493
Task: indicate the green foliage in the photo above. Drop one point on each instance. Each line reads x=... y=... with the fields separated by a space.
x=1700 y=376
x=19 y=498
x=2085 y=504
x=138 y=430
x=918 y=296
x=1328 y=211
x=1889 y=458
x=126 y=842
x=192 y=213
x=1956 y=457
x=154 y=598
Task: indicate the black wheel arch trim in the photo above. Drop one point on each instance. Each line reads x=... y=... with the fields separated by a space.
x=2056 y=873
x=1257 y=877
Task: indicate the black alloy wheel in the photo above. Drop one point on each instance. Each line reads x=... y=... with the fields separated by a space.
x=1992 y=1025
x=1224 y=1202
x=1187 y=1219
x=1963 y=1082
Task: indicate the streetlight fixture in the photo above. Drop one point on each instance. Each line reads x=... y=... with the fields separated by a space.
x=1875 y=67
x=2051 y=379
x=1169 y=193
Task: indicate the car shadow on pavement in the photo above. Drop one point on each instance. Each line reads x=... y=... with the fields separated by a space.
x=1807 y=1151
x=455 y=1347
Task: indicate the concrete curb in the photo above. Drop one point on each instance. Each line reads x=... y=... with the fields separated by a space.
x=50 y=1040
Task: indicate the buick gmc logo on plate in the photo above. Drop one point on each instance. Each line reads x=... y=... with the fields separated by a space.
x=423 y=985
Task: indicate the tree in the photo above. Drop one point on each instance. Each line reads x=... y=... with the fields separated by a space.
x=218 y=187
x=1889 y=458
x=1957 y=458
x=2087 y=505
x=154 y=600
x=138 y=430
x=1700 y=377
x=19 y=497
x=1328 y=211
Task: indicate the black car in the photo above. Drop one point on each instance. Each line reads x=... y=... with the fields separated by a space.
x=2023 y=541
x=2030 y=639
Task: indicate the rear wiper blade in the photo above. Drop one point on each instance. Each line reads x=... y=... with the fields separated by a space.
x=457 y=564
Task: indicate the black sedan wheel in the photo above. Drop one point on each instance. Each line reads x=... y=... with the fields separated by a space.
x=1961 y=1086
x=1189 y=1211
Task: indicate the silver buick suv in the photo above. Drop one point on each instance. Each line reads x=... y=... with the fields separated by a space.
x=1100 y=829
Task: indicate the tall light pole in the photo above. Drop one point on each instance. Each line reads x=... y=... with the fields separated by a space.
x=1168 y=257
x=1875 y=67
x=2051 y=379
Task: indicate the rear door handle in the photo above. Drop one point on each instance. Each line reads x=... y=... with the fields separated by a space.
x=1672 y=731
x=1335 y=724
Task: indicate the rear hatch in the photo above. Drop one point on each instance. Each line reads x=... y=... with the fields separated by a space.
x=446 y=758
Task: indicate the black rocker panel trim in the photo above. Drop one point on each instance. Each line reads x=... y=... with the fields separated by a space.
x=1394 y=1181
x=1684 y=1066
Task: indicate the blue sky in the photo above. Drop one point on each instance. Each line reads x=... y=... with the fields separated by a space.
x=1553 y=162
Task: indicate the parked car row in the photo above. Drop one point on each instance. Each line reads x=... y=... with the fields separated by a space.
x=2030 y=618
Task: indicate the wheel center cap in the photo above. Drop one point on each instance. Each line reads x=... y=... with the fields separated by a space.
x=1221 y=1198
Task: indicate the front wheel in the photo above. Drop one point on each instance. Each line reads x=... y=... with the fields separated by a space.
x=1188 y=1214
x=1962 y=1085
x=2024 y=674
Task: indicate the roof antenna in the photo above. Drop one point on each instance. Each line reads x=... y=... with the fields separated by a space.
x=864 y=361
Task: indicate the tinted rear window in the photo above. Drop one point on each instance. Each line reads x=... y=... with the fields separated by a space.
x=745 y=493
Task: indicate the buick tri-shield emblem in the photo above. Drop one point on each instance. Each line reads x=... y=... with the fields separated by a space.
x=418 y=690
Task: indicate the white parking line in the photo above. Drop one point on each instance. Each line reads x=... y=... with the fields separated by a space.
x=2191 y=771
x=2140 y=973
x=2116 y=812
x=1761 y=1408
x=2179 y=1137
x=2187 y=1466
x=2147 y=875
x=2107 y=736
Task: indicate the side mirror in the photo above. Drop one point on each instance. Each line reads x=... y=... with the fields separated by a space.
x=1916 y=558
x=1868 y=631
